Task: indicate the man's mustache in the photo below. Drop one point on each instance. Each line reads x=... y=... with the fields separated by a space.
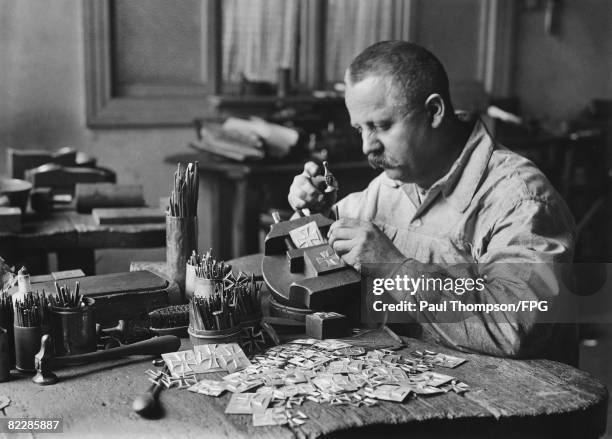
x=378 y=161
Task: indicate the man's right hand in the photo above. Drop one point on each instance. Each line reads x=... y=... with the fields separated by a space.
x=307 y=191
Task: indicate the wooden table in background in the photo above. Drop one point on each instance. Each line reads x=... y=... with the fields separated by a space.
x=74 y=237
x=242 y=191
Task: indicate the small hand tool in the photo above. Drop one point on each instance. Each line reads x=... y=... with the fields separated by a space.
x=147 y=404
x=46 y=362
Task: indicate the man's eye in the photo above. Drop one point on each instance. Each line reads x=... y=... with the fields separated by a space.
x=382 y=126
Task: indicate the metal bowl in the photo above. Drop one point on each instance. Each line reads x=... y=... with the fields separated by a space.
x=17 y=191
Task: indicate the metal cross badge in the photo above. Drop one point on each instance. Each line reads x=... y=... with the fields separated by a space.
x=252 y=341
x=207 y=357
x=307 y=235
x=232 y=358
x=184 y=381
x=180 y=363
x=230 y=281
x=326 y=257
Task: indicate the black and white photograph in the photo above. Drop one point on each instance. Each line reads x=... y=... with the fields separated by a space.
x=306 y=219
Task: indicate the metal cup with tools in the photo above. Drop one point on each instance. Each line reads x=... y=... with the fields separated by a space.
x=72 y=321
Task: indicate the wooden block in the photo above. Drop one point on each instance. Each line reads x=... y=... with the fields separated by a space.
x=10 y=219
x=41 y=199
x=320 y=260
x=66 y=177
x=128 y=215
x=307 y=235
x=321 y=325
x=40 y=278
x=326 y=293
x=85 y=160
x=125 y=295
x=20 y=160
x=275 y=239
x=89 y=196
x=67 y=274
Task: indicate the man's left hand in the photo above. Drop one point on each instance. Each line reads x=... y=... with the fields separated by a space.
x=359 y=242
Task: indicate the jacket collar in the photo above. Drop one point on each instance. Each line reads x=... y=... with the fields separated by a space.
x=460 y=183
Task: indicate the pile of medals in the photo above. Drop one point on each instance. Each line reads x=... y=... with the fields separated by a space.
x=272 y=385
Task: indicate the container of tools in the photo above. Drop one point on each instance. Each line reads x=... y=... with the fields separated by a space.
x=212 y=320
x=7 y=322
x=181 y=237
x=72 y=321
x=31 y=320
x=182 y=225
x=247 y=298
x=5 y=366
x=229 y=335
x=190 y=279
x=209 y=275
x=219 y=315
x=27 y=344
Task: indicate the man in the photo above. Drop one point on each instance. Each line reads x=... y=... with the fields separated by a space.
x=448 y=194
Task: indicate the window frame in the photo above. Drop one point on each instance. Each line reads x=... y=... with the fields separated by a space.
x=146 y=107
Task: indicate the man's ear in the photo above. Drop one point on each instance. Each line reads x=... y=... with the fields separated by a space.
x=436 y=108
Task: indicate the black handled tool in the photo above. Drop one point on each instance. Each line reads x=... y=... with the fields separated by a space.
x=146 y=404
x=46 y=362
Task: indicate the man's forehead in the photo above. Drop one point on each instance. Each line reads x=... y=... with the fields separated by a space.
x=373 y=93
x=369 y=82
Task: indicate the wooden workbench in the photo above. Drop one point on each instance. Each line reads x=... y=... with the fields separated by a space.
x=508 y=398
x=74 y=237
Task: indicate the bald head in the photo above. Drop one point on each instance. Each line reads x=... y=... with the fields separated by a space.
x=414 y=72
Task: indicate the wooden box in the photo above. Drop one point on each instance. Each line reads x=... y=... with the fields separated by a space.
x=120 y=295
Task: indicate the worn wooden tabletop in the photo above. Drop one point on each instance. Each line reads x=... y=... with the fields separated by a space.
x=508 y=398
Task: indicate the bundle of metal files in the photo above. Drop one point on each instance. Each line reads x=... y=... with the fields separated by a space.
x=66 y=298
x=246 y=298
x=234 y=301
x=184 y=195
x=32 y=310
x=208 y=267
x=6 y=310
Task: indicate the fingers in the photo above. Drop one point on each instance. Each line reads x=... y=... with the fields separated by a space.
x=343 y=223
x=339 y=234
x=342 y=247
x=311 y=169
x=314 y=173
x=319 y=182
x=303 y=193
x=306 y=191
x=343 y=235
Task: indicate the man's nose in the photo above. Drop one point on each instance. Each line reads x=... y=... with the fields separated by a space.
x=370 y=142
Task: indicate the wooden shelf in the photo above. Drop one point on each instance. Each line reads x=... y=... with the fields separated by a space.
x=272 y=101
